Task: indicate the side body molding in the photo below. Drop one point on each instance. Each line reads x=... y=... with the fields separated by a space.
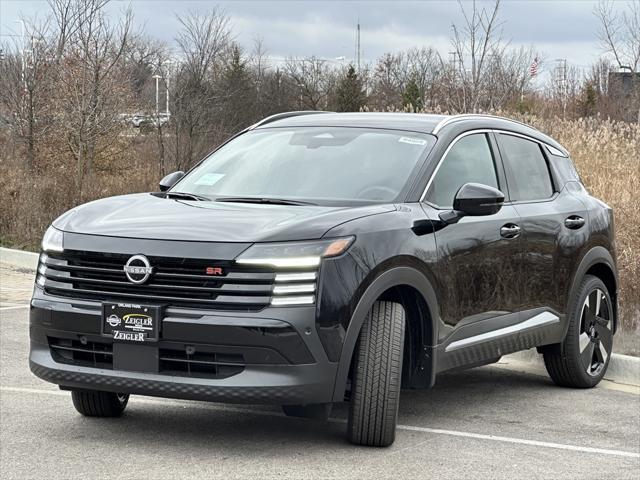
x=394 y=277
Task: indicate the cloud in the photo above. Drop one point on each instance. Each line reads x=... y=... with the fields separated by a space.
x=559 y=28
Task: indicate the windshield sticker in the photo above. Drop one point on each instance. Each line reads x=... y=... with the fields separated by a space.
x=412 y=140
x=209 y=178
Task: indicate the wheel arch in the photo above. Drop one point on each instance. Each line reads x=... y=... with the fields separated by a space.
x=406 y=285
x=598 y=262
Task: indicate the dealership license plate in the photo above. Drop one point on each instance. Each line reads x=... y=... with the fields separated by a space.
x=129 y=322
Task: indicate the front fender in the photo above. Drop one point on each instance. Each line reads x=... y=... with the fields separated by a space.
x=394 y=277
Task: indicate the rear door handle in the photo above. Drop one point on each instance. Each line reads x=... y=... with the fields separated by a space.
x=510 y=230
x=574 y=222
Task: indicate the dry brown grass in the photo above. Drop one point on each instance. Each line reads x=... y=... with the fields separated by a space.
x=607 y=155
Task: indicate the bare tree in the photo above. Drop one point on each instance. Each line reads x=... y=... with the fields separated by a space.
x=69 y=15
x=94 y=91
x=259 y=63
x=25 y=88
x=620 y=33
x=478 y=38
x=424 y=67
x=507 y=77
x=202 y=41
x=390 y=76
x=314 y=80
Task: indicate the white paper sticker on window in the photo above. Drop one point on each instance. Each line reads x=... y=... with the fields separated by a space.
x=209 y=178
x=412 y=140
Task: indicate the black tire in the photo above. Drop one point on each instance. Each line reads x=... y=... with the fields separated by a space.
x=91 y=403
x=581 y=360
x=316 y=411
x=377 y=373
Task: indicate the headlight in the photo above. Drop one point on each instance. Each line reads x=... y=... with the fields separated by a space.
x=52 y=240
x=294 y=254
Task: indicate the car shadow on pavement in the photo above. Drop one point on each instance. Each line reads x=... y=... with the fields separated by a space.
x=199 y=425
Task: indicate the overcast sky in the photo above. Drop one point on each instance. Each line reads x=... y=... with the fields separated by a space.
x=556 y=28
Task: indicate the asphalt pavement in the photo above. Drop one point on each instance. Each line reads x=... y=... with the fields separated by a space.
x=487 y=423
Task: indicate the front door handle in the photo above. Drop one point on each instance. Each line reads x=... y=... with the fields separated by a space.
x=510 y=230
x=574 y=222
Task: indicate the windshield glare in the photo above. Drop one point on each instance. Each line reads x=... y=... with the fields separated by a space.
x=314 y=164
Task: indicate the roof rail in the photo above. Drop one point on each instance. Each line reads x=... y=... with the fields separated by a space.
x=454 y=118
x=283 y=115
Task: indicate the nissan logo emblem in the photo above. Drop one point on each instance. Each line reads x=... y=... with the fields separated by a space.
x=138 y=269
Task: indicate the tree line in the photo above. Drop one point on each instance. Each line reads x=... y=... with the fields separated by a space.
x=65 y=93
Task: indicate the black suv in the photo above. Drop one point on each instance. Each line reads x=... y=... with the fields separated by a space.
x=322 y=257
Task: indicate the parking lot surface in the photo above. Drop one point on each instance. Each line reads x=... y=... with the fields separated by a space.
x=490 y=422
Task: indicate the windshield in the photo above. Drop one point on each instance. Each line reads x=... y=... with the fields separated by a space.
x=310 y=164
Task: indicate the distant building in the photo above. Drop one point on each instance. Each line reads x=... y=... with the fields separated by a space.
x=624 y=90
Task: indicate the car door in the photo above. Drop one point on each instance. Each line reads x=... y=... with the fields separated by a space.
x=553 y=223
x=478 y=264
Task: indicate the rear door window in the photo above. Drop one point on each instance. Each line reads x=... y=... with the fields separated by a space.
x=526 y=168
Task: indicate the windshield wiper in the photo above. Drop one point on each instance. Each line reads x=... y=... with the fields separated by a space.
x=186 y=196
x=271 y=201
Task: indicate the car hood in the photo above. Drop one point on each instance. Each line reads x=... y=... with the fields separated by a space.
x=151 y=217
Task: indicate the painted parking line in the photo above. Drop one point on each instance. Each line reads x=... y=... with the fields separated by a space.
x=14 y=307
x=521 y=441
x=410 y=428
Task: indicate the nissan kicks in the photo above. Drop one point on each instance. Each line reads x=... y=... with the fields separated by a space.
x=317 y=258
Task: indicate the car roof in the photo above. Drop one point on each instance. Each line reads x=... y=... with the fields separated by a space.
x=416 y=122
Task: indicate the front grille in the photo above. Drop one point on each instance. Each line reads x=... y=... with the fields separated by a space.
x=174 y=282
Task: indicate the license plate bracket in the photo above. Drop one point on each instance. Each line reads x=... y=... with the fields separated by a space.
x=130 y=322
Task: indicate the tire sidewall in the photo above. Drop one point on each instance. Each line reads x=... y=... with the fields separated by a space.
x=571 y=344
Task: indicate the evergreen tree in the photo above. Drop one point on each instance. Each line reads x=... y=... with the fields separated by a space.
x=412 y=96
x=588 y=101
x=350 y=93
x=237 y=90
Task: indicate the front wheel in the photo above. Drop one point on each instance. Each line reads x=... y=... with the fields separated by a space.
x=375 y=393
x=581 y=360
x=92 y=403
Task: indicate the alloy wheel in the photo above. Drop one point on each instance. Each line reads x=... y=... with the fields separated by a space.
x=596 y=337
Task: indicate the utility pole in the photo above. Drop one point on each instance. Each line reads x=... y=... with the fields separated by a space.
x=24 y=64
x=454 y=62
x=157 y=77
x=166 y=82
x=358 y=46
x=561 y=82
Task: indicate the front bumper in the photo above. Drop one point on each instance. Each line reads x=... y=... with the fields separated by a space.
x=284 y=361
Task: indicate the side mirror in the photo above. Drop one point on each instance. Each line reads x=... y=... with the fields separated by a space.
x=474 y=200
x=170 y=180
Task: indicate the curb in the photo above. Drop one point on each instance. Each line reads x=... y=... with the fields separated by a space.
x=622 y=368
x=19 y=258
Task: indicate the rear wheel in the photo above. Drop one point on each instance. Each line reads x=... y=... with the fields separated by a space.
x=92 y=403
x=375 y=387
x=582 y=359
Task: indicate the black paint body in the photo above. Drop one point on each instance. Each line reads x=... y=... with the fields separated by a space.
x=456 y=279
